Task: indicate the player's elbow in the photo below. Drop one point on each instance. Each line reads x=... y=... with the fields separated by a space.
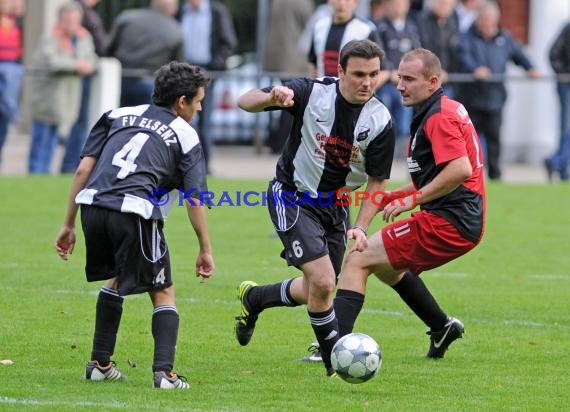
x=459 y=169
x=464 y=169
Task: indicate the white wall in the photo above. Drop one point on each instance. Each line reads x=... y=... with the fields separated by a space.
x=531 y=116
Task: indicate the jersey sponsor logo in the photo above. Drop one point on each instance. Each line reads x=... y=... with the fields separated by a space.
x=413 y=165
x=337 y=150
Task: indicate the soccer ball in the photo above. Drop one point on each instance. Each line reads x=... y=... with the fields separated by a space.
x=356 y=358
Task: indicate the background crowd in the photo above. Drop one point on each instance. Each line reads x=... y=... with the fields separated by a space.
x=303 y=37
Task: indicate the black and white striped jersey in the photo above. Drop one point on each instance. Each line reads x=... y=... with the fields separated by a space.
x=334 y=144
x=142 y=150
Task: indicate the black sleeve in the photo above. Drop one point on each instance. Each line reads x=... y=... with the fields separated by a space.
x=380 y=154
x=559 y=54
x=301 y=88
x=97 y=137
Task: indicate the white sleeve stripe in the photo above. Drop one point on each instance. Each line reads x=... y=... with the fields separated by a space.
x=187 y=136
x=130 y=110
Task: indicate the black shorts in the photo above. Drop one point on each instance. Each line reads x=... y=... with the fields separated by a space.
x=125 y=246
x=307 y=230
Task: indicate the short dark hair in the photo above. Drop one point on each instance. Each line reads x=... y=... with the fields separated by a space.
x=366 y=49
x=432 y=64
x=177 y=79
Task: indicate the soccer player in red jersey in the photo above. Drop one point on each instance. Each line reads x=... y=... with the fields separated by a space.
x=445 y=162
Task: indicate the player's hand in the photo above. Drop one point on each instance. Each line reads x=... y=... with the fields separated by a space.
x=282 y=96
x=205 y=266
x=360 y=241
x=65 y=242
x=393 y=209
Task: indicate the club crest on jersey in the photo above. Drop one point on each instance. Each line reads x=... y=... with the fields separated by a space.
x=362 y=133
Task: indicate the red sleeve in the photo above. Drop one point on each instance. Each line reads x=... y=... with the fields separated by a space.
x=446 y=137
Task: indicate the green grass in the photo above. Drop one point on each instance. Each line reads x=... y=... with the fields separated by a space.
x=512 y=292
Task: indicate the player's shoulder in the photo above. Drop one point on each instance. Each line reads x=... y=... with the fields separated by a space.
x=187 y=136
x=453 y=109
x=128 y=111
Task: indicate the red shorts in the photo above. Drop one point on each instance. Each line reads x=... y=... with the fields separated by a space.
x=423 y=241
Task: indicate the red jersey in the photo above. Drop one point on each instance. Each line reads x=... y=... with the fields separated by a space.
x=10 y=40
x=442 y=131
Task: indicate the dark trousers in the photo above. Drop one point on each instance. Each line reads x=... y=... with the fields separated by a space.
x=136 y=91
x=488 y=126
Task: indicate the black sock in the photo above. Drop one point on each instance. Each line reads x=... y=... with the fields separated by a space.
x=165 y=322
x=325 y=326
x=269 y=296
x=347 y=305
x=107 y=319
x=414 y=292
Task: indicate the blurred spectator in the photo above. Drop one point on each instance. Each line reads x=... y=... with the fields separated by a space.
x=560 y=61
x=484 y=51
x=62 y=58
x=363 y=8
x=287 y=19
x=209 y=39
x=74 y=143
x=399 y=34
x=467 y=11
x=331 y=33
x=306 y=39
x=143 y=40
x=377 y=10
x=11 y=68
x=439 y=32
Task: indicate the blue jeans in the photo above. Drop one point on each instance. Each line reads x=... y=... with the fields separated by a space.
x=76 y=140
x=559 y=160
x=11 y=75
x=401 y=114
x=563 y=90
x=42 y=147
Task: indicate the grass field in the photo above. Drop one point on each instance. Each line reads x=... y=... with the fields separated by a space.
x=512 y=293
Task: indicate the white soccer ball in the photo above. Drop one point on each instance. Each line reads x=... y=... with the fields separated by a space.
x=356 y=358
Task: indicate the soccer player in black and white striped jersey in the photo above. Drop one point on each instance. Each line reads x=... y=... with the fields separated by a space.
x=131 y=155
x=342 y=137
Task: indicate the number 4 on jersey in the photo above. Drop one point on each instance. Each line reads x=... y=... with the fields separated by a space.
x=125 y=158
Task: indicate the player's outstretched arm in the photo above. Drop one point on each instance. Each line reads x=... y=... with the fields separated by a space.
x=452 y=175
x=204 y=262
x=257 y=100
x=65 y=239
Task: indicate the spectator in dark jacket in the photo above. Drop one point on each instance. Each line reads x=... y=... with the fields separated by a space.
x=560 y=62
x=484 y=51
x=144 y=40
x=399 y=34
x=439 y=30
x=209 y=39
